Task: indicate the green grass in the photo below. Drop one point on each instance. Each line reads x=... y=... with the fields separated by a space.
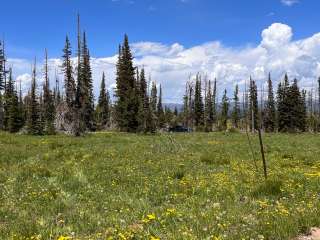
x=180 y=186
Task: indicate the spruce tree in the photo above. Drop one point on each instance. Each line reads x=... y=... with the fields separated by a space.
x=21 y=108
x=72 y=118
x=69 y=83
x=185 y=107
x=103 y=107
x=84 y=92
x=270 y=111
x=154 y=97
x=160 y=112
x=236 y=108
x=214 y=102
x=7 y=100
x=11 y=102
x=48 y=101
x=127 y=94
x=283 y=105
x=143 y=90
x=303 y=111
x=33 y=109
x=57 y=94
x=209 y=108
x=198 y=104
x=297 y=114
x=2 y=67
x=224 y=111
x=14 y=121
x=151 y=116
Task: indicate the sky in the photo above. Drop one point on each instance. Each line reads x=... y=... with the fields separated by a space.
x=230 y=40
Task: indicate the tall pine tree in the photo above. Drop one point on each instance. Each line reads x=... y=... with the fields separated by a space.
x=84 y=93
x=224 y=111
x=209 y=108
x=33 y=108
x=160 y=112
x=69 y=83
x=48 y=101
x=127 y=94
x=198 y=104
x=283 y=105
x=103 y=107
x=12 y=112
x=270 y=110
x=236 y=108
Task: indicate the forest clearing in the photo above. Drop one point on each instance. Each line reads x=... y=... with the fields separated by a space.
x=168 y=186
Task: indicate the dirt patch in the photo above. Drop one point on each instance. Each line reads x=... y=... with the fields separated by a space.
x=313 y=235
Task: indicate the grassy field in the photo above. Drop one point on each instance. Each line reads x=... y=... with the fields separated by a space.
x=180 y=186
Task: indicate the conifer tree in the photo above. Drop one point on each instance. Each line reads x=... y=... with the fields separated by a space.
x=11 y=102
x=69 y=83
x=283 y=105
x=303 y=111
x=297 y=114
x=2 y=67
x=103 y=107
x=198 y=104
x=185 y=107
x=21 y=109
x=160 y=112
x=143 y=90
x=236 y=108
x=270 y=111
x=151 y=121
x=151 y=115
x=57 y=93
x=153 y=97
x=48 y=101
x=7 y=100
x=188 y=108
x=33 y=108
x=126 y=107
x=84 y=92
x=209 y=108
x=214 y=101
x=14 y=122
x=72 y=116
x=224 y=110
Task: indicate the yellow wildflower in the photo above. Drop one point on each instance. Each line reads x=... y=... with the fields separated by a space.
x=154 y=238
x=64 y=238
x=151 y=216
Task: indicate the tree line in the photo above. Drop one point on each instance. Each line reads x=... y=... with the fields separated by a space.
x=45 y=110
x=289 y=110
x=138 y=106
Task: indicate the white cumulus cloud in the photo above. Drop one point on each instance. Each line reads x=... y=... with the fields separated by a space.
x=171 y=65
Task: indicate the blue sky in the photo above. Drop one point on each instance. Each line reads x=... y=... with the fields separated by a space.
x=32 y=25
x=230 y=40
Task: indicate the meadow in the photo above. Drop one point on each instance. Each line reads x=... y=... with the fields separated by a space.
x=168 y=186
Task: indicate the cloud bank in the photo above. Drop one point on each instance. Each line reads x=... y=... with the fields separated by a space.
x=171 y=65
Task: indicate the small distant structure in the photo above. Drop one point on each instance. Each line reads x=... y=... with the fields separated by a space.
x=180 y=129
